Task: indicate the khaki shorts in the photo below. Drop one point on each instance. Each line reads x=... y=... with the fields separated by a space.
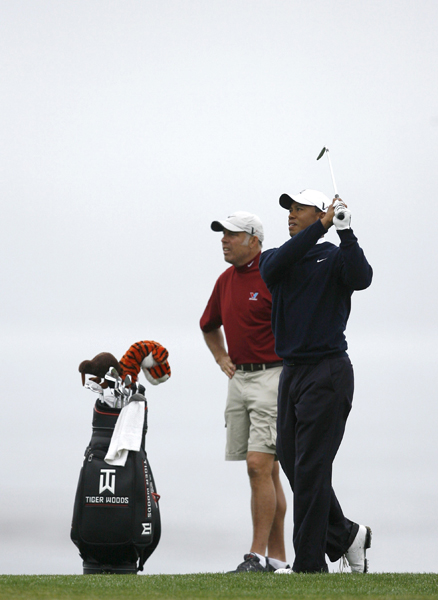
x=251 y=413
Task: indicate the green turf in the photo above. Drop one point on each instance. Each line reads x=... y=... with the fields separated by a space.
x=218 y=585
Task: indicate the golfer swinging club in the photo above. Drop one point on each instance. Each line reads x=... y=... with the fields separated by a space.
x=311 y=282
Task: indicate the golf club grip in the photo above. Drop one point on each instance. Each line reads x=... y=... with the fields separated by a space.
x=339 y=214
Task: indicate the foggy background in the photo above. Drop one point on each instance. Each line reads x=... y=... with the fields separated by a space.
x=126 y=128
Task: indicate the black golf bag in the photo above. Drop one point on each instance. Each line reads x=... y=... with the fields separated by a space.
x=116 y=519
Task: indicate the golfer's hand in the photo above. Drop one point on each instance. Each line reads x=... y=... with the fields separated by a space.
x=227 y=365
x=330 y=218
x=327 y=219
x=342 y=218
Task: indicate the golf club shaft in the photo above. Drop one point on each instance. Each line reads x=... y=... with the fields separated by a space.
x=339 y=214
x=333 y=177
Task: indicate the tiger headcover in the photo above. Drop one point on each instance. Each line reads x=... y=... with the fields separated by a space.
x=151 y=358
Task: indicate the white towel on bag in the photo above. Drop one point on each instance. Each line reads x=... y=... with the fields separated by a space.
x=127 y=433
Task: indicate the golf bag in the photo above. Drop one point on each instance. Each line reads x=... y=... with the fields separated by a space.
x=116 y=519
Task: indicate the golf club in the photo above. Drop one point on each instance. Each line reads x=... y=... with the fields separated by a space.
x=95 y=387
x=339 y=212
x=120 y=390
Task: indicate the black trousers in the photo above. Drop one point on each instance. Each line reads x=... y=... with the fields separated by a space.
x=313 y=405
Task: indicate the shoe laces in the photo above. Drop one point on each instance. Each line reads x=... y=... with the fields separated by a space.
x=250 y=557
x=343 y=564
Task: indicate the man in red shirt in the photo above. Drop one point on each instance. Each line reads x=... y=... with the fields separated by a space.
x=241 y=303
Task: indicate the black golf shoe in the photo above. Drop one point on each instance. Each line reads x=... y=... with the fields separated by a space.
x=251 y=564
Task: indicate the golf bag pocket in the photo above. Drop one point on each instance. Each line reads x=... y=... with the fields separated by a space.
x=116 y=518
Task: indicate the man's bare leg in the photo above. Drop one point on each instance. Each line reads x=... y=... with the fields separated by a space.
x=276 y=547
x=267 y=510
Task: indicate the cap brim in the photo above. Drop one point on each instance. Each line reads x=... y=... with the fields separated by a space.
x=221 y=225
x=285 y=201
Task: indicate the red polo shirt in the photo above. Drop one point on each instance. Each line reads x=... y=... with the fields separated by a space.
x=241 y=302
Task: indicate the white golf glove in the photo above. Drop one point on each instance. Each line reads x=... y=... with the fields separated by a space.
x=341 y=223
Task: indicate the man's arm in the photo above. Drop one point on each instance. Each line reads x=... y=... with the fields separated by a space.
x=355 y=270
x=216 y=344
x=273 y=263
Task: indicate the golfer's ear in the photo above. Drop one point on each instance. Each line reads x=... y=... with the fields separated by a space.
x=321 y=214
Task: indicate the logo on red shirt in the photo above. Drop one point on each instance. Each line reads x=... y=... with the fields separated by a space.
x=253 y=295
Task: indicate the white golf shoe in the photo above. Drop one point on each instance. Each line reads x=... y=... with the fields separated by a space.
x=356 y=553
x=286 y=571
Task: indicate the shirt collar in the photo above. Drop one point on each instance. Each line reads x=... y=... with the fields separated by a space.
x=251 y=265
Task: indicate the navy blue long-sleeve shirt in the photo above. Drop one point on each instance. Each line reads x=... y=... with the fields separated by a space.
x=311 y=286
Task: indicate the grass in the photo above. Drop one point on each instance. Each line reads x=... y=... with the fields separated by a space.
x=217 y=585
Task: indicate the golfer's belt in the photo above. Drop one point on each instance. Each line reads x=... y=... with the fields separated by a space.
x=259 y=366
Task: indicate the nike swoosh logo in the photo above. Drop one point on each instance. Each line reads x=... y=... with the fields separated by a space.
x=321 y=259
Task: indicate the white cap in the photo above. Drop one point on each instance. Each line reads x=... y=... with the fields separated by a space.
x=241 y=221
x=308 y=197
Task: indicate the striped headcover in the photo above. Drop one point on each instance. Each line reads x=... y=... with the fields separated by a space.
x=149 y=356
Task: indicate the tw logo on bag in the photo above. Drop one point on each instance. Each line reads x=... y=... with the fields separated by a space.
x=107 y=480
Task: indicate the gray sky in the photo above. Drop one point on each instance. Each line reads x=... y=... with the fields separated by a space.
x=126 y=128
